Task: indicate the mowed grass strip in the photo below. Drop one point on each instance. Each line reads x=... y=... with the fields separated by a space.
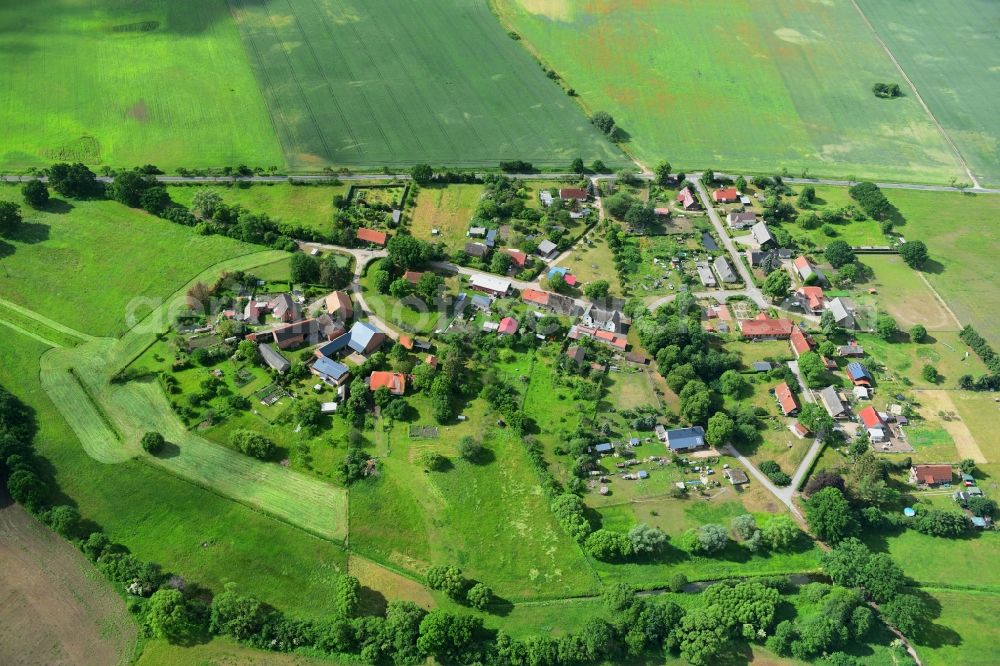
x=189 y=530
x=948 y=49
x=741 y=85
x=398 y=82
x=129 y=83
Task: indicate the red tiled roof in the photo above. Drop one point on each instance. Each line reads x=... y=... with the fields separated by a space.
x=661 y=211
x=685 y=197
x=613 y=339
x=570 y=280
x=800 y=341
x=801 y=262
x=508 y=326
x=870 y=418
x=520 y=258
x=814 y=296
x=431 y=360
x=933 y=473
x=371 y=236
x=785 y=398
x=800 y=429
x=725 y=194
x=535 y=296
x=406 y=341
x=757 y=328
x=573 y=193
x=412 y=277
x=394 y=381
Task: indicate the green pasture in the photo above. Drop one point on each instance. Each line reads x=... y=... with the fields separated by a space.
x=744 y=86
x=355 y=83
x=90 y=265
x=957 y=563
x=121 y=83
x=964 y=629
x=309 y=206
x=948 y=49
x=192 y=531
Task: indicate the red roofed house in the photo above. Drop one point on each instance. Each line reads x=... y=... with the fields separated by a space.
x=535 y=296
x=520 y=258
x=574 y=193
x=371 y=236
x=725 y=195
x=930 y=475
x=766 y=329
x=412 y=277
x=570 y=280
x=607 y=337
x=801 y=343
x=811 y=298
x=406 y=341
x=662 y=212
x=432 y=361
x=394 y=381
x=786 y=400
x=508 y=326
x=688 y=202
x=873 y=424
x=800 y=430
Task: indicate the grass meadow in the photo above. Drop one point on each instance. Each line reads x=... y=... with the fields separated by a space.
x=948 y=49
x=83 y=263
x=354 y=83
x=129 y=83
x=763 y=86
x=309 y=206
x=447 y=209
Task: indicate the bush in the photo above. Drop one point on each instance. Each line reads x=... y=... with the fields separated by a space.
x=152 y=442
x=252 y=444
x=480 y=596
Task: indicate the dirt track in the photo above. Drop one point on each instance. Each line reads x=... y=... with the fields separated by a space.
x=54 y=607
x=965 y=443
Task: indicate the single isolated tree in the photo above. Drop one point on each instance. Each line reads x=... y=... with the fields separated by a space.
x=35 y=193
x=10 y=217
x=914 y=253
x=152 y=442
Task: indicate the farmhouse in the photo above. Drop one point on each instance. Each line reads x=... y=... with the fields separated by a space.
x=557 y=303
x=607 y=319
x=832 y=403
x=547 y=249
x=725 y=195
x=843 y=311
x=762 y=236
x=811 y=299
x=858 y=374
x=363 y=338
x=800 y=341
x=705 y=274
x=283 y=307
x=687 y=200
x=786 y=401
x=685 y=439
x=508 y=326
x=766 y=329
x=254 y=310
x=724 y=270
x=535 y=297
x=394 y=381
x=930 y=475
x=519 y=258
x=573 y=194
x=476 y=250
x=489 y=284
x=330 y=371
x=371 y=236
x=576 y=354
x=741 y=219
x=873 y=424
x=338 y=304
x=273 y=359
x=294 y=335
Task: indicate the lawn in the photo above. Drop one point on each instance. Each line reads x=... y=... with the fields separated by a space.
x=129 y=83
x=191 y=531
x=352 y=83
x=223 y=651
x=948 y=49
x=418 y=318
x=964 y=630
x=309 y=206
x=447 y=209
x=93 y=264
x=811 y=98
x=962 y=563
x=906 y=296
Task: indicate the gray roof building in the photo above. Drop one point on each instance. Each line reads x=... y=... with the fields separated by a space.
x=546 y=248
x=724 y=270
x=832 y=402
x=741 y=219
x=683 y=439
x=705 y=274
x=273 y=359
x=762 y=235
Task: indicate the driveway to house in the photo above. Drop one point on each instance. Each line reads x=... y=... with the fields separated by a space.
x=817 y=446
x=783 y=494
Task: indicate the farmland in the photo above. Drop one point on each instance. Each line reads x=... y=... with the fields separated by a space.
x=56 y=609
x=124 y=83
x=353 y=83
x=811 y=100
x=948 y=50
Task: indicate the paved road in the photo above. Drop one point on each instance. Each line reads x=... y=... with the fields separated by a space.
x=817 y=446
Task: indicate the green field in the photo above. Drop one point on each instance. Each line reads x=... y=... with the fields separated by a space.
x=354 y=83
x=67 y=262
x=948 y=49
x=306 y=206
x=127 y=83
x=751 y=86
x=448 y=209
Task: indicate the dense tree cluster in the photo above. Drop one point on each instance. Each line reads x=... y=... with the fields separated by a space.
x=871 y=199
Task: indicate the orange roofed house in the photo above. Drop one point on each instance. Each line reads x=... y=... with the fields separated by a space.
x=766 y=329
x=930 y=475
x=785 y=399
x=801 y=343
x=394 y=381
x=725 y=195
x=371 y=236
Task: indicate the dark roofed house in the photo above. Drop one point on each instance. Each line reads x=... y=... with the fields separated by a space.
x=273 y=359
x=547 y=249
x=741 y=219
x=283 y=307
x=330 y=371
x=476 y=250
x=852 y=350
x=328 y=328
x=607 y=319
x=293 y=335
x=577 y=354
x=491 y=238
x=684 y=439
x=573 y=193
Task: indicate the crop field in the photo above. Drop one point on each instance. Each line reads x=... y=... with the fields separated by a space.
x=127 y=83
x=59 y=264
x=353 y=83
x=948 y=49
x=55 y=608
x=763 y=86
x=447 y=209
x=309 y=206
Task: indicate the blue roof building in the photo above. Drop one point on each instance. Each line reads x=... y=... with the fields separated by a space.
x=643 y=474
x=365 y=338
x=557 y=270
x=330 y=371
x=683 y=439
x=336 y=345
x=491 y=238
x=859 y=374
x=604 y=448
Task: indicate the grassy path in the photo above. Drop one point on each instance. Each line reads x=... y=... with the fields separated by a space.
x=109 y=417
